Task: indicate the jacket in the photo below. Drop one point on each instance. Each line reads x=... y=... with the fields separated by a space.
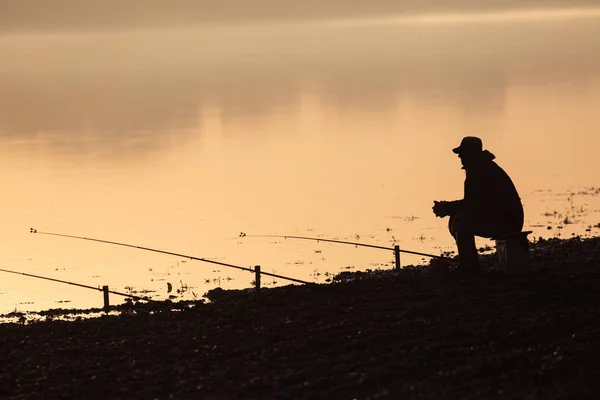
x=489 y=191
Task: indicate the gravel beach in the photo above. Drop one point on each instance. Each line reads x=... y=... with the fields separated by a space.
x=374 y=335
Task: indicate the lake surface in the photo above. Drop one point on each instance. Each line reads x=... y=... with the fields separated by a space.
x=180 y=140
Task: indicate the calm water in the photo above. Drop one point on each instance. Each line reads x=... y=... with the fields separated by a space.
x=179 y=140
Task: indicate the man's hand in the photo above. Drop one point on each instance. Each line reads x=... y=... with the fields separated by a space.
x=441 y=209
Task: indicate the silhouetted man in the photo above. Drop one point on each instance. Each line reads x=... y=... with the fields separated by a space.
x=491 y=204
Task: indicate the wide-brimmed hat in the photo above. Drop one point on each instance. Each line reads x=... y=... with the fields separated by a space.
x=469 y=145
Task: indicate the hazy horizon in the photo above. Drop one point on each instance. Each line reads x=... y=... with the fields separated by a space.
x=74 y=15
x=106 y=82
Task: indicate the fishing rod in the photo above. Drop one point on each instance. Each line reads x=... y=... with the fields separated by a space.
x=32 y=230
x=395 y=248
x=80 y=285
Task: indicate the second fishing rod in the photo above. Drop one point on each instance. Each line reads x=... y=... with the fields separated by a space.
x=396 y=249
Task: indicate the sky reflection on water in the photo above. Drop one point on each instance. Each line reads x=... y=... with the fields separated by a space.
x=180 y=140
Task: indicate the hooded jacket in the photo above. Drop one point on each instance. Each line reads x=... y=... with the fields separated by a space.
x=489 y=191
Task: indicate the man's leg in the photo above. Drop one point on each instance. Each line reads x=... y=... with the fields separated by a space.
x=462 y=229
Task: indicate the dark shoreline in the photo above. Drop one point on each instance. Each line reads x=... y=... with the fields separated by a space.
x=379 y=335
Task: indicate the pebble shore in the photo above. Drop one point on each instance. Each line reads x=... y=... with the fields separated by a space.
x=412 y=334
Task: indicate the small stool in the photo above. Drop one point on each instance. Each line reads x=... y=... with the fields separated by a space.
x=512 y=252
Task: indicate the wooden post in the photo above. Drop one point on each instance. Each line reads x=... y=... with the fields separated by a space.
x=257 y=277
x=397 y=256
x=106 y=304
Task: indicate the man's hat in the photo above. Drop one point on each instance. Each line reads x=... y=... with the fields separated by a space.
x=469 y=145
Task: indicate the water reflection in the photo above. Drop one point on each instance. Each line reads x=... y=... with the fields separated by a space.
x=179 y=140
x=152 y=82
